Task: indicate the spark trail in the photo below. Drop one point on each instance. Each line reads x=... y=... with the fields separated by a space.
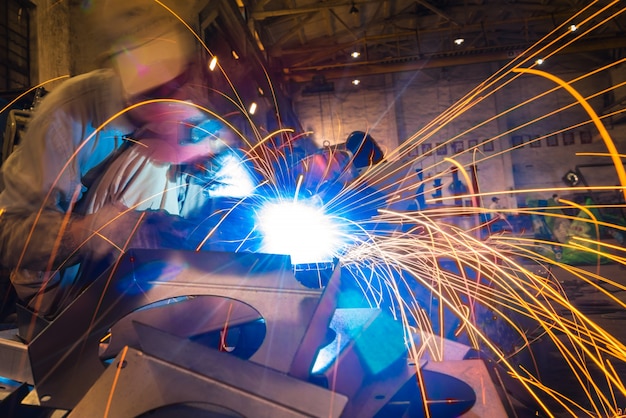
x=498 y=293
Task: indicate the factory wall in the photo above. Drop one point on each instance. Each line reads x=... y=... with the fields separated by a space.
x=542 y=137
x=402 y=107
x=563 y=136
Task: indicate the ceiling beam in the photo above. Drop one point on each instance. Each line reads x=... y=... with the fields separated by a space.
x=478 y=27
x=352 y=70
x=262 y=15
x=438 y=12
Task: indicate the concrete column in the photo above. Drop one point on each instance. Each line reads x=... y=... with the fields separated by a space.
x=52 y=23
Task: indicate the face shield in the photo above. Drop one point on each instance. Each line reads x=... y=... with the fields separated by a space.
x=147 y=42
x=145 y=64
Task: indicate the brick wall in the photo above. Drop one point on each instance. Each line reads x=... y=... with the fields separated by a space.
x=400 y=107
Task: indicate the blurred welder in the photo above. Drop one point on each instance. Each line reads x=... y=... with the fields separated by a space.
x=58 y=209
x=333 y=177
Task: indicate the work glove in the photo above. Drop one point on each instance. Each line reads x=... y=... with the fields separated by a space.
x=105 y=232
x=114 y=228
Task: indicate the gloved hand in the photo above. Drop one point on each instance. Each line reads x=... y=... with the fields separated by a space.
x=161 y=230
x=105 y=232
x=115 y=228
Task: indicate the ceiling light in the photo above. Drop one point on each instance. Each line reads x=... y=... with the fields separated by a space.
x=571 y=178
x=213 y=63
x=257 y=38
x=252 y=109
x=235 y=55
x=353 y=9
x=356 y=81
x=573 y=28
x=539 y=61
x=355 y=54
x=459 y=41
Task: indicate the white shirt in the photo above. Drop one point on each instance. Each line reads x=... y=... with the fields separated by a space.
x=72 y=132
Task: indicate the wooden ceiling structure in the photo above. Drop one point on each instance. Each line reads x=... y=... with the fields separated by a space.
x=304 y=38
x=286 y=46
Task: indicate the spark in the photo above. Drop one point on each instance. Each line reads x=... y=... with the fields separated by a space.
x=119 y=368
x=621 y=172
x=439 y=280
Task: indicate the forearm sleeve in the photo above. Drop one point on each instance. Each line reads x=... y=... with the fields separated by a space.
x=46 y=246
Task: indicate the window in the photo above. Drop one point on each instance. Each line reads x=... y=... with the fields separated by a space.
x=536 y=142
x=552 y=141
x=14 y=46
x=517 y=141
x=585 y=137
x=568 y=138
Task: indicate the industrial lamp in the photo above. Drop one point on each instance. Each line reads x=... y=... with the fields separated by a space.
x=571 y=178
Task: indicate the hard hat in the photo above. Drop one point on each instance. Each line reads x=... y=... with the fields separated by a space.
x=149 y=45
x=145 y=66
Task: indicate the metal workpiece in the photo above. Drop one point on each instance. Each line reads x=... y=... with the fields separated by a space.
x=14 y=361
x=367 y=360
x=65 y=356
x=183 y=333
x=457 y=387
x=178 y=377
x=211 y=314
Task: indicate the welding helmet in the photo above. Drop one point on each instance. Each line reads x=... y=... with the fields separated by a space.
x=148 y=45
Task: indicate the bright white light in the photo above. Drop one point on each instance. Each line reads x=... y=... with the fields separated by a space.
x=213 y=63
x=252 y=109
x=459 y=41
x=232 y=179
x=299 y=229
x=356 y=82
x=356 y=54
x=573 y=28
x=539 y=61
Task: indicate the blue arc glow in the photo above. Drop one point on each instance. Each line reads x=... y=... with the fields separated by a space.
x=300 y=229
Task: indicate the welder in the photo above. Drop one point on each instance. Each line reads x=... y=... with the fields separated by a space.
x=52 y=219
